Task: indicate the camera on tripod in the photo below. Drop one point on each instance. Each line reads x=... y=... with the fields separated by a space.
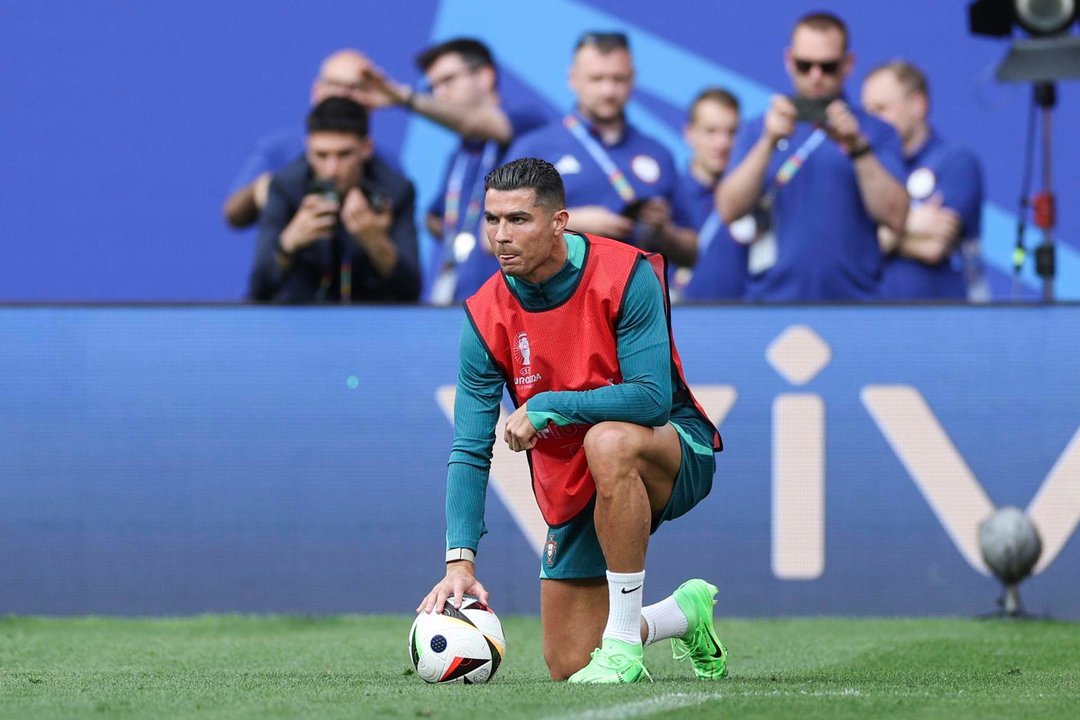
x=1051 y=53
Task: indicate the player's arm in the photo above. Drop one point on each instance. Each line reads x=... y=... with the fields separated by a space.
x=644 y=348
x=476 y=412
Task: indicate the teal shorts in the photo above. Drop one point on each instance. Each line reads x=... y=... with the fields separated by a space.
x=572 y=549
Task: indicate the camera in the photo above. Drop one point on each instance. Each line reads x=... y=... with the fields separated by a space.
x=810 y=110
x=325 y=188
x=632 y=208
x=379 y=203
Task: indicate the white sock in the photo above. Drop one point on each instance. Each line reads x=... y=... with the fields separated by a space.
x=665 y=619
x=624 y=606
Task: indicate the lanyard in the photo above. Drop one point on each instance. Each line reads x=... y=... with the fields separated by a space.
x=346 y=271
x=790 y=167
x=455 y=184
x=615 y=176
x=708 y=231
x=345 y=275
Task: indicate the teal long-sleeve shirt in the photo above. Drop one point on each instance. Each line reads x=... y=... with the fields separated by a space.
x=643 y=397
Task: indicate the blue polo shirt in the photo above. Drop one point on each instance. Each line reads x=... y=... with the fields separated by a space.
x=646 y=164
x=480 y=265
x=827 y=246
x=953 y=172
x=271 y=153
x=720 y=272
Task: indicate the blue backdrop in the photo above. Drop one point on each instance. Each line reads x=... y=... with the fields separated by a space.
x=124 y=123
x=178 y=460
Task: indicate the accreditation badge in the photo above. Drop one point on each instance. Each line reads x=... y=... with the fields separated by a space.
x=744 y=230
x=921 y=184
x=762 y=255
x=464 y=243
x=646 y=168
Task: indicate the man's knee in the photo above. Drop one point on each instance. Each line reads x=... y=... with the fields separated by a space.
x=562 y=665
x=612 y=448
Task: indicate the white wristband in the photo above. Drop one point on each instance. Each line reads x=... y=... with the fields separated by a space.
x=455 y=554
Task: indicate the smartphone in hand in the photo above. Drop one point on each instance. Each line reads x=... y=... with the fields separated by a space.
x=811 y=110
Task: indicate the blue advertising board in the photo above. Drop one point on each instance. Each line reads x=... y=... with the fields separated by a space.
x=172 y=460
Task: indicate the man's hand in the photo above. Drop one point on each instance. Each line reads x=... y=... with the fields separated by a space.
x=932 y=218
x=460 y=580
x=383 y=91
x=314 y=220
x=779 y=119
x=261 y=189
x=932 y=230
x=598 y=220
x=655 y=213
x=842 y=125
x=520 y=433
x=362 y=221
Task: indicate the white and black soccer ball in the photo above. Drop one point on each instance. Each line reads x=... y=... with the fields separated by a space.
x=463 y=645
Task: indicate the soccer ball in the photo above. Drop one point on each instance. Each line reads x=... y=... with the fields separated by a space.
x=463 y=645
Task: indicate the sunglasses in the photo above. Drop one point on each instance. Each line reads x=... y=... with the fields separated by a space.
x=604 y=41
x=828 y=67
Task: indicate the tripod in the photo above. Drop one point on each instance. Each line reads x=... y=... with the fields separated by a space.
x=1042 y=203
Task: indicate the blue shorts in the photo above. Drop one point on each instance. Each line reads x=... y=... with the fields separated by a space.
x=572 y=549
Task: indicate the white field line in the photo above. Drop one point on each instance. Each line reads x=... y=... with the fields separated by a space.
x=641 y=708
x=672 y=701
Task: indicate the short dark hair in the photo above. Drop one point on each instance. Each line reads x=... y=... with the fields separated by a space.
x=475 y=53
x=715 y=94
x=539 y=175
x=604 y=42
x=911 y=78
x=338 y=114
x=822 y=21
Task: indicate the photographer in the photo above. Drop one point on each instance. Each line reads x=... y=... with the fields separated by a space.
x=338 y=224
x=823 y=174
x=340 y=75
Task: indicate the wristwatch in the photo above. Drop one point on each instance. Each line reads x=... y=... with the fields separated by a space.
x=859 y=150
x=455 y=554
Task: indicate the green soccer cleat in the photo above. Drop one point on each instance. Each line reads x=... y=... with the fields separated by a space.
x=708 y=655
x=614 y=661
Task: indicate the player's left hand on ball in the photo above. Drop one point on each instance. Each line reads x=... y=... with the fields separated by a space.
x=460 y=581
x=520 y=433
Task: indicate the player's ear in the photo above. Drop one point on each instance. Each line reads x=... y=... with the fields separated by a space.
x=848 y=64
x=558 y=221
x=367 y=149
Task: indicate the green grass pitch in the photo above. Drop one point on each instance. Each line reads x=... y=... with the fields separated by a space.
x=358 y=667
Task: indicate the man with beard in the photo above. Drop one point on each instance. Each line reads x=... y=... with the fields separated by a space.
x=619 y=182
